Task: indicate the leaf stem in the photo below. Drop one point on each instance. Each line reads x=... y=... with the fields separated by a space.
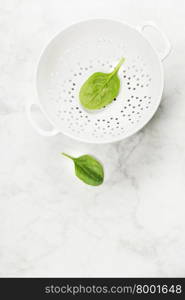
x=68 y=156
x=119 y=65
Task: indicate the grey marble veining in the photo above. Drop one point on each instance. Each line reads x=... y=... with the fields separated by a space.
x=51 y=224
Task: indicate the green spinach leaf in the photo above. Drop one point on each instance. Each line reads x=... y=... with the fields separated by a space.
x=100 y=89
x=88 y=169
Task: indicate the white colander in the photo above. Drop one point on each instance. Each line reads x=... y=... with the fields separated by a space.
x=97 y=46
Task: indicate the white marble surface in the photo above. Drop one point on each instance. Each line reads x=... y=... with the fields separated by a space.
x=51 y=224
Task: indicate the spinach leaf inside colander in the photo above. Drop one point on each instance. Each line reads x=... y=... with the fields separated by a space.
x=100 y=89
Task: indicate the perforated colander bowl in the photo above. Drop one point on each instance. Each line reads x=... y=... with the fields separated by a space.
x=97 y=46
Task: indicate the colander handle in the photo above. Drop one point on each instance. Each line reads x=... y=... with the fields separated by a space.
x=167 y=48
x=41 y=131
